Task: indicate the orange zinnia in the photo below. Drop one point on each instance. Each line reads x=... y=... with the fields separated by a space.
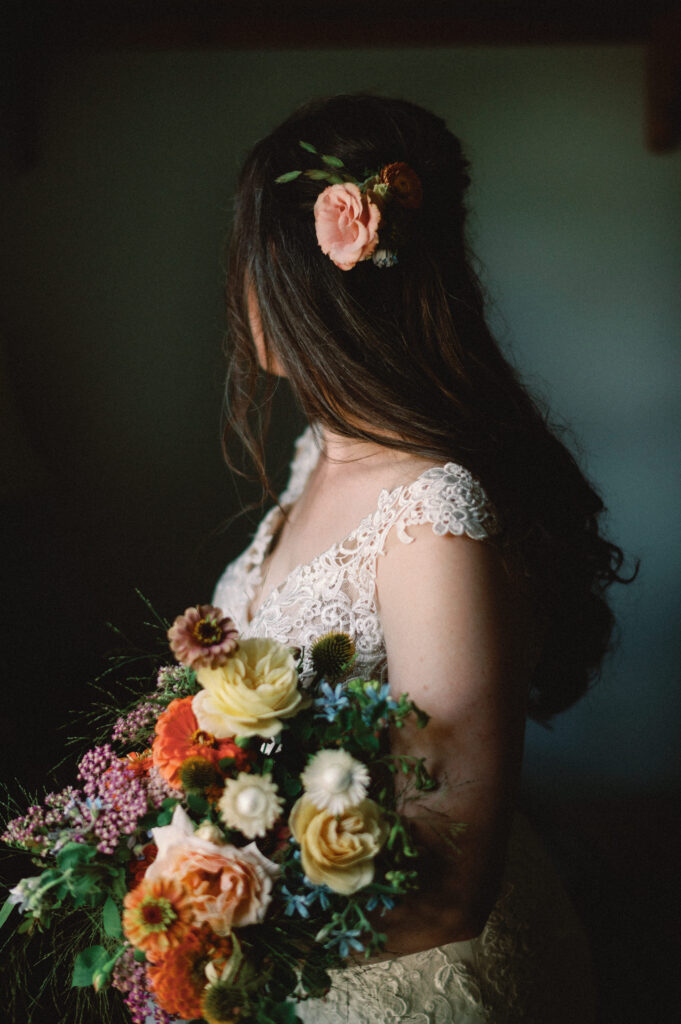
x=179 y=979
x=178 y=737
x=157 y=915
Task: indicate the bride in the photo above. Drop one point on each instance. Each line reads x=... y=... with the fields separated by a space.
x=433 y=515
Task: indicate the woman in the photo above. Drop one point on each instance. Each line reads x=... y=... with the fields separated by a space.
x=432 y=514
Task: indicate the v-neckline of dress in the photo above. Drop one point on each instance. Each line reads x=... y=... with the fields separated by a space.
x=272 y=523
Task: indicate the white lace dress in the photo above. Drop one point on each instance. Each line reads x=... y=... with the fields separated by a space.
x=530 y=962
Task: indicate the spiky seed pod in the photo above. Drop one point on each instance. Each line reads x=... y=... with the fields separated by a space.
x=198 y=773
x=223 y=1004
x=331 y=653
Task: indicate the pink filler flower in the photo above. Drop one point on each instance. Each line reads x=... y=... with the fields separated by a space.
x=347 y=224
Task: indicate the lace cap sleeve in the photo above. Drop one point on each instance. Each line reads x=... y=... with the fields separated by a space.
x=305 y=456
x=448 y=497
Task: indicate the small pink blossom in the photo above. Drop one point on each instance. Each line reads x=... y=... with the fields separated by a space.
x=204 y=637
x=347 y=224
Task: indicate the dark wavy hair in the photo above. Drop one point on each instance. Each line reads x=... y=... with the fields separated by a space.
x=406 y=353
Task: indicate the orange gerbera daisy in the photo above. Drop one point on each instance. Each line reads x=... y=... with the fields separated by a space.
x=179 y=979
x=157 y=915
x=178 y=737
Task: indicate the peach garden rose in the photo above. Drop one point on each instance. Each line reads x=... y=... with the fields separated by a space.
x=230 y=886
x=347 y=223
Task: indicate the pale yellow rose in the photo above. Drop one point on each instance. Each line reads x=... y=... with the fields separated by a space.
x=338 y=850
x=250 y=694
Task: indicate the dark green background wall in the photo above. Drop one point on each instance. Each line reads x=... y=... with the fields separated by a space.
x=112 y=320
x=111 y=373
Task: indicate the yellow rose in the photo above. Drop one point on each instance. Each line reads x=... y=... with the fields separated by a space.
x=338 y=850
x=250 y=694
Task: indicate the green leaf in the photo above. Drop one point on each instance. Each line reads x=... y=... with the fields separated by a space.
x=197 y=804
x=314 y=978
x=283 y=981
x=75 y=855
x=333 y=161
x=225 y=763
x=140 y=956
x=317 y=174
x=88 y=961
x=288 y=176
x=308 y=146
x=111 y=919
x=6 y=910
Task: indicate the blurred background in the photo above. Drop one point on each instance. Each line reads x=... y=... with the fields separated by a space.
x=124 y=126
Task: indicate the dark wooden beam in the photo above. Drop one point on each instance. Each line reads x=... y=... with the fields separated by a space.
x=663 y=105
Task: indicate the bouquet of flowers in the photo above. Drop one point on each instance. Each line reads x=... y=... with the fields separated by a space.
x=238 y=835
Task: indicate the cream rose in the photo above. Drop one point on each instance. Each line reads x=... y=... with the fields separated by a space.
x=346 y=223
x=251 y=693
x=338 y=850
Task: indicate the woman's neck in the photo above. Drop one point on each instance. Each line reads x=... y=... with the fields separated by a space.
x=336 y=448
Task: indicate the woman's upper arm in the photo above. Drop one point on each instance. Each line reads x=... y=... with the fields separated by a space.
x=455 y=637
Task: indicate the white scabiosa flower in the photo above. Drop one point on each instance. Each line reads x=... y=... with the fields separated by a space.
x=250 y=803
x=334 y=781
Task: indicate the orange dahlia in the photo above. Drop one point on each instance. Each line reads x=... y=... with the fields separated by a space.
x=157 y=915
x=178 y=738
x=404 y=184
x=179 y=980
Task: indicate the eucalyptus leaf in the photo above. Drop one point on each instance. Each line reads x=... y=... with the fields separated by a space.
x=317 y=174
x=333 y=161
x=309 y=147
x=288 y=176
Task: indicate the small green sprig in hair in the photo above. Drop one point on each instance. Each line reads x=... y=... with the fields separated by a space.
x=335 y=172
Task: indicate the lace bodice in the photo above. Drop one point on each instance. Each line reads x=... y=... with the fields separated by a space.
x=337 y=589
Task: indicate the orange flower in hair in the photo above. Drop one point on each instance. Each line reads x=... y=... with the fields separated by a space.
x=404 y=184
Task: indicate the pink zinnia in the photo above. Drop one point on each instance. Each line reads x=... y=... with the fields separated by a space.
x=204 y=637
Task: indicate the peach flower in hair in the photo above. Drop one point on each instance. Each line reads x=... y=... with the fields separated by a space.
x=347 y=224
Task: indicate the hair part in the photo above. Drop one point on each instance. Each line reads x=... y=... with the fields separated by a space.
x=403 y=357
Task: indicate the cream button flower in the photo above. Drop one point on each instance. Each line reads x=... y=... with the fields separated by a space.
x=334 y=780
x=338 y=850
x=251 y=693
x=250 y=803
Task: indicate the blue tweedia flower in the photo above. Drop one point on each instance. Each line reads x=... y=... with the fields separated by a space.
x=381 y=900
x=330 y=701
x=297 y=903
x=318 y=894
x=345 y=941
x=378 y=701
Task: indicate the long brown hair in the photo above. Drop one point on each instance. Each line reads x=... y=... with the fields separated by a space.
x=407 y=350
